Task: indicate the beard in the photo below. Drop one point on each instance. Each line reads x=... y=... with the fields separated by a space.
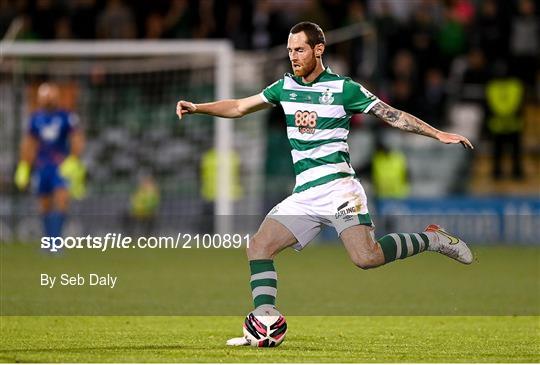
x=306 y=69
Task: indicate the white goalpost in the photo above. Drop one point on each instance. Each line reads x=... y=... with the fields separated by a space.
x=21 y=63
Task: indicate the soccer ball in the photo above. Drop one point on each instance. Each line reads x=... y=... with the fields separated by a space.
x=265 y=327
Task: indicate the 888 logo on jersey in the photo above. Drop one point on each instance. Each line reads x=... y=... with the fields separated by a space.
x=305 y=121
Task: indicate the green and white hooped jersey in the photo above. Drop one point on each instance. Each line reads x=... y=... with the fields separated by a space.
x=318 y=121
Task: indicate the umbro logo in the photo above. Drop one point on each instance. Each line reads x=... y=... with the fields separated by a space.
x=293 y=96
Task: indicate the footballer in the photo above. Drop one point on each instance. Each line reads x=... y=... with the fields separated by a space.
x=50 y=159
x=318 y=105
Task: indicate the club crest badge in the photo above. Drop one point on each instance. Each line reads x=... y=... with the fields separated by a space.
x=326 y=98
x=51 y=132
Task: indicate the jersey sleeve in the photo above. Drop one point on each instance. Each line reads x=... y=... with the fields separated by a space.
x=357 y=99
x=272 y=94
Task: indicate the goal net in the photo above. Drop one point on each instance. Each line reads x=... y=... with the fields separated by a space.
x=207 y=169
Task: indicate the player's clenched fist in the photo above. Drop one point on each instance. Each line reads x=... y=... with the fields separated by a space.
x=184 y=107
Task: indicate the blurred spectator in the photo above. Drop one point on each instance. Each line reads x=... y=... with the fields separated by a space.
x=462 y=11
x=397 y=9
x=266 y=25
x=209 y=178
x=44 y=17
x=404 y=80
x=237 y=25
x=505 y=96
x=260 y=37
x=207 y=25
x=525 y=41
x=83 y=15
x=404 y=67
x=62 y=28
x=389 y=35
x=355 y=48
x=475 y=76
x=155 y=26
x=116 y=21
x=422 y=32
x=491 y=31
x=145 y=200
x=210 y=181
x=389 y=173
x=356 y=12
x=180 y=19
x=451 y=38
x=144 y=205
x=431 y=106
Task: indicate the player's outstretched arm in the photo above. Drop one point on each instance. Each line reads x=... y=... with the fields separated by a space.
x=230 y=108
x=407 y=122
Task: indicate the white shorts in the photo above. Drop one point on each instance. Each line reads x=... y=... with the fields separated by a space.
x=340 y=203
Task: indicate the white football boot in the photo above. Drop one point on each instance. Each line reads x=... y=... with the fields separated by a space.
x=238 y=341
x=449 y=245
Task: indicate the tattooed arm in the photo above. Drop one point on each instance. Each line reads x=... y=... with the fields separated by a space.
x=407 y=122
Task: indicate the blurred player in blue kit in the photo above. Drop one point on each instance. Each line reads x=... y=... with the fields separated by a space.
x=50 y=158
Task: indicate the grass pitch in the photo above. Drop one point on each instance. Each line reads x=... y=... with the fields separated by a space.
x=310 y=339
x=181 y=306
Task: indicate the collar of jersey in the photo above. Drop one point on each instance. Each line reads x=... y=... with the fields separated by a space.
x=324 y=73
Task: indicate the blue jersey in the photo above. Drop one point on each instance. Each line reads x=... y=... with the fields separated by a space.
x=52 y=130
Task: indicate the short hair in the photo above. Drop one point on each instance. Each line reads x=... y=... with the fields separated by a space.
x=313 y=32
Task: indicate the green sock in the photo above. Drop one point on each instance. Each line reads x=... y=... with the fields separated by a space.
x=263 y=282
x=402 y=245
